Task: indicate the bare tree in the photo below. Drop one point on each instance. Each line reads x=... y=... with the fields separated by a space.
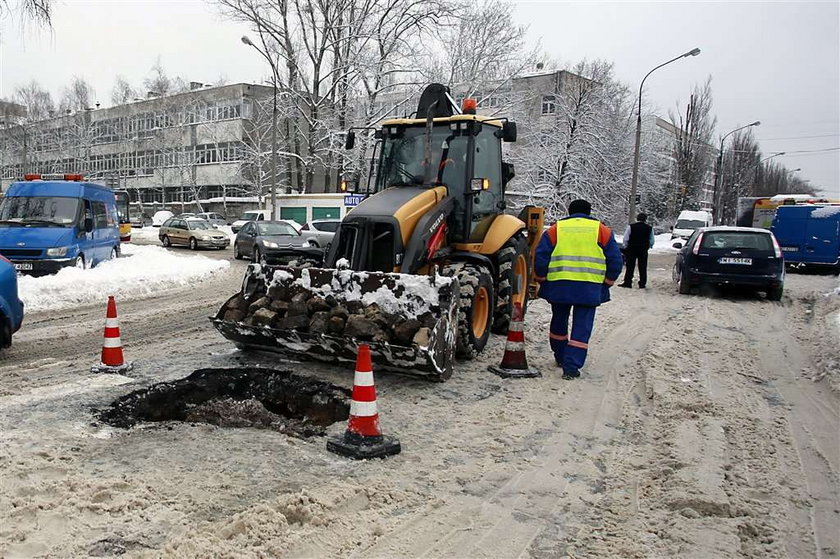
x=160 y=83
x=693 y=152
x=77 y=97
x=39 y=11
x=122 y=92
x=37 y=100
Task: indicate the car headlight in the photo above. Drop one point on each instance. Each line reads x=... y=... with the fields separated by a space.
x=57 y=251
x=307 y=243
x=270 y=244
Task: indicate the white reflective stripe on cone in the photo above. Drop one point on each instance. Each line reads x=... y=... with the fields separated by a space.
x=112 y=323
x=363 y=378
x=515 y=326
x=111 y=342
x=515 y=346
x=362 y=409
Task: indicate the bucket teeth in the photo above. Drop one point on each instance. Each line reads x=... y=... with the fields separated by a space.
x=323 y=314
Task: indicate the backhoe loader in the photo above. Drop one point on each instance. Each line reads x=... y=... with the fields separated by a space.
x=429 y=244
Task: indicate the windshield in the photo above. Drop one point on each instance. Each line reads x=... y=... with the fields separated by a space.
x=401 y=163
x=41 y=211
x=689 y=224
x=198 y=224
x=269 y=229
x=250 y=216
x=738 y=240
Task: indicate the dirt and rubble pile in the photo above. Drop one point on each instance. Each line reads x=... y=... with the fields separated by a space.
x=283 y=308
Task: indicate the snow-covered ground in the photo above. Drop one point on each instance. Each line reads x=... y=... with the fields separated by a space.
x=141 y=271
x=661 y=244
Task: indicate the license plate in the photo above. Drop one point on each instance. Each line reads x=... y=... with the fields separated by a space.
x=746 y=261
x=790 y=249
x=23 y=265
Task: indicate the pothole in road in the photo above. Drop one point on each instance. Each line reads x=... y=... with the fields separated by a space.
x=239 y=397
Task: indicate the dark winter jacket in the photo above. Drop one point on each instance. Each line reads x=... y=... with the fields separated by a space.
x=577 y=292
x=638 y=237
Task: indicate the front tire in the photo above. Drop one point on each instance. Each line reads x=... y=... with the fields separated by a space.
x=166 y=242
x=475 y=306
x=258 y=257
x=193 y=244
x=513 y=279
x=236 y=254
x=80 y=262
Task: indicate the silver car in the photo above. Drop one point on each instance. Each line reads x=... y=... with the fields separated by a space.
x=320 y=232
x=192 y=232
x=213 y=218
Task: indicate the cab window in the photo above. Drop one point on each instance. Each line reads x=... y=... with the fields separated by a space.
x=487 y=165
x=100 y=215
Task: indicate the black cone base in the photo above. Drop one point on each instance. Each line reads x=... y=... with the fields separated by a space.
x=514 y=373
x=361 y=448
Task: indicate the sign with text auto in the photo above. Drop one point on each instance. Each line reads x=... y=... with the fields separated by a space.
x=352 y=200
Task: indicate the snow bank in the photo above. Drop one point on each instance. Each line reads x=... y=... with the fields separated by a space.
x=143 y=270
x=661 y=243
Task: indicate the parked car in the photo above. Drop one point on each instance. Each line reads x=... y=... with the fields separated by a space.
x=271 y=241
x=11 y=307
x=687 y=222
x=742 y=256
x=809 y=235
x=46 y=225
x=193 y=232
x=253 y=215
x=160 y=217
x=320 y=232
x=139 y=219
x=213 y=218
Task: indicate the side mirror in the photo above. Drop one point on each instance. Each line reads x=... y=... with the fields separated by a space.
x=349 y=185
x=671 y=227
x=88 y=224
x=677 y=245
x=350 y=140
x=509 y=131
x=508 y=172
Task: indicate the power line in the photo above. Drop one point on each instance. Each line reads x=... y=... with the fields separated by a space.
x=798 y=137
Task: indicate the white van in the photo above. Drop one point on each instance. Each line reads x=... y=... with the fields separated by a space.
x=252 y=215
x=688 y=221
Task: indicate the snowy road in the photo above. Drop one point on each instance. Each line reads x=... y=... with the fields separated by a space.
x=696 y=430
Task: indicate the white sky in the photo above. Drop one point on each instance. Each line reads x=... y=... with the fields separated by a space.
x=777 y=62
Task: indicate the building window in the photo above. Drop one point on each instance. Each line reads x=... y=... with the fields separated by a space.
x=548 y=104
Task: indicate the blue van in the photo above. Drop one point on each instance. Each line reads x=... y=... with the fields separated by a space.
x=809 y=234
x=46 y=225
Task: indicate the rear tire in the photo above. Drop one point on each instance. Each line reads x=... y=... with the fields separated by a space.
x=685 y=285
x=513 y=280
x=775 y=293
x=475 y=304
x=5 y=332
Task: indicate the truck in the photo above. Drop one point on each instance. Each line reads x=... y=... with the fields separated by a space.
x=809 y=235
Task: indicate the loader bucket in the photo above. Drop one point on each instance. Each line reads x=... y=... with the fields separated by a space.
x=409 y=321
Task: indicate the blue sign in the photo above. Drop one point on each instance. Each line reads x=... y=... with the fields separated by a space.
x=351 y=200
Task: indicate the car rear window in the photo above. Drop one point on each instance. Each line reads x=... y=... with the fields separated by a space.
x=737 y=240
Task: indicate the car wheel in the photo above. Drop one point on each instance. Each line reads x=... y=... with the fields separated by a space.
x=685 y=285
x=193 y=244
x=236 y=253
x=259 y=256
x=5 y=332
x=165 y=240
x=80 y=262
x=114 y=254
x=775 y=293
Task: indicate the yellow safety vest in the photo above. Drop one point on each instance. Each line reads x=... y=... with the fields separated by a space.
x=577 y=255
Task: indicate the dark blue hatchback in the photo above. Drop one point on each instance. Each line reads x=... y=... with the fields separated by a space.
x=11 y=307
x=742 y=256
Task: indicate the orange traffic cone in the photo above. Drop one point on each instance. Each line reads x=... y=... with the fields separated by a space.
x=363 y=438
x=514 y=363
x=112 y=360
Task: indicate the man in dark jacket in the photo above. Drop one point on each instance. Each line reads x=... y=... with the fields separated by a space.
x=638 y=240
x=576 y=261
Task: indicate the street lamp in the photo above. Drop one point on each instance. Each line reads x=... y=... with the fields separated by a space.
x=635 y=182
x=715 y=204
x=248 y=42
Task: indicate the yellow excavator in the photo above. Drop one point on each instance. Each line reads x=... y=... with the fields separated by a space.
x=430 y=241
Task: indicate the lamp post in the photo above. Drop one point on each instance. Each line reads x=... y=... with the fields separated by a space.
x=248 y=42
x=715 y=201
x=635 y=181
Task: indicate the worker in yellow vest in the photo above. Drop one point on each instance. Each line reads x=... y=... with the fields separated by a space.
x=576 y=262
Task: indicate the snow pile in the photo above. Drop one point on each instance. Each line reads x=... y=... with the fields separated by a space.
x=411 y=295
x=143 y=270
x=661 y=243
x=826 y=211
x=145 y=235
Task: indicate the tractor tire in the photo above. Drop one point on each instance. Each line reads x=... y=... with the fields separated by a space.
x=512 y=282
x=475 y=306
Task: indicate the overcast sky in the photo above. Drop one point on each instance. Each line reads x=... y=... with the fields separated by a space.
x=777 y=62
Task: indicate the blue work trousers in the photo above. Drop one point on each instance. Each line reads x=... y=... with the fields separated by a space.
x=570 y=350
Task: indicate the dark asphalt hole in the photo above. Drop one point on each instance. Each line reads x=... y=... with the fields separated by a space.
x=239 y=397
